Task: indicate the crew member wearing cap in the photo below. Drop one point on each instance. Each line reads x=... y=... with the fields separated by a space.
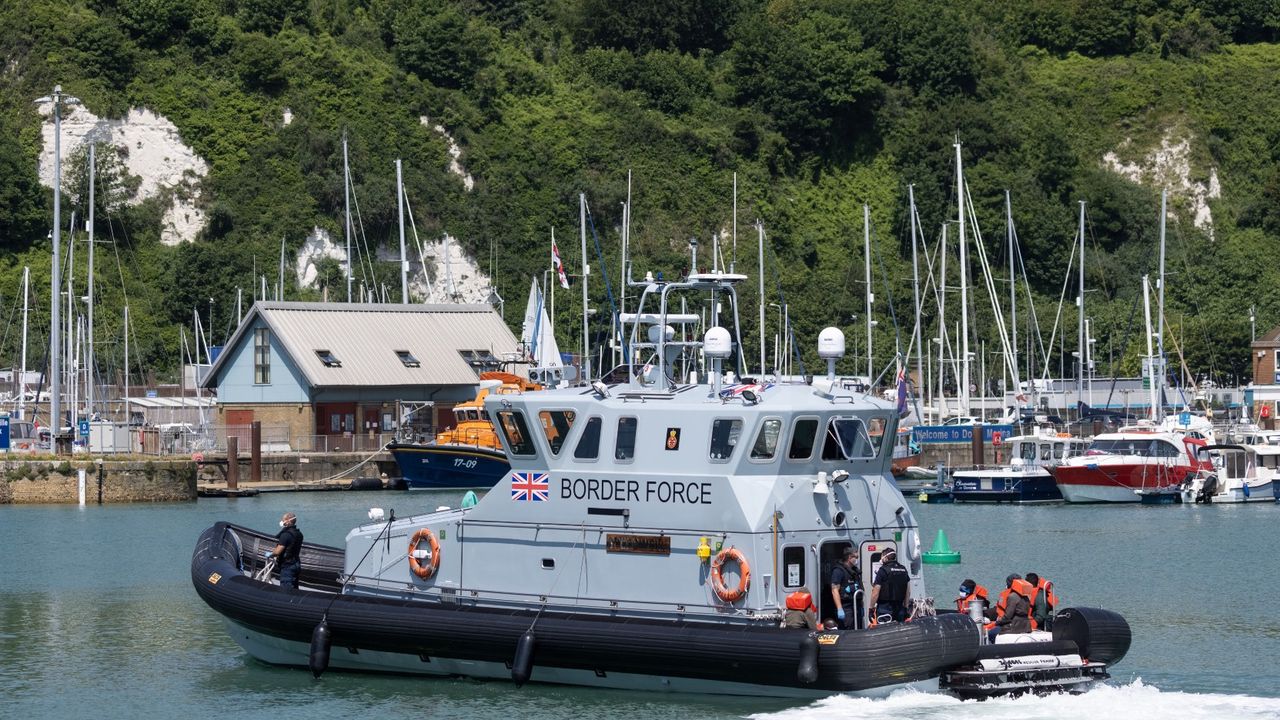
x=287 y=550
x=891 y=588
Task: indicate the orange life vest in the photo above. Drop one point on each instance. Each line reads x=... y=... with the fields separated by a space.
x=800 y=600
x=1023 y=588
x=979 y=593
x=1000 y=606
x=1046 y=587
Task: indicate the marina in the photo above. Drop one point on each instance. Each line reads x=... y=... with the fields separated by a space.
x=124 y=644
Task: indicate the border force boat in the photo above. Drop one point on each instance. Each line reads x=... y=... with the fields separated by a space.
x=651 y=545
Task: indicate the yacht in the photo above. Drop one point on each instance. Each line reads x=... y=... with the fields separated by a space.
x=1028 y=478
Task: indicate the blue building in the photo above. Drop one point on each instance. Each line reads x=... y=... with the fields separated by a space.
x=340 y=376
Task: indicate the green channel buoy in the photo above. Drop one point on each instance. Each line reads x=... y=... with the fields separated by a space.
x=941 y=552
x=470 y=499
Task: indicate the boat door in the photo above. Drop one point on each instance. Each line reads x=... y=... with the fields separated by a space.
x=869 y=561
x=829 y=554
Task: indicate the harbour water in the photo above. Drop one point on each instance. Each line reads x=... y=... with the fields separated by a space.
x=98 y=618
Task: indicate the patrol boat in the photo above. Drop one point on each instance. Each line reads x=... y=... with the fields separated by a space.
x=651 y=545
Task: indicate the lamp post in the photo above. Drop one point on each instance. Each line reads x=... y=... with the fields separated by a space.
x=55 y=281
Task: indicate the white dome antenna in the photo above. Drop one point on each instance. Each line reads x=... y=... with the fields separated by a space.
x=717 y=345
x=831 y=348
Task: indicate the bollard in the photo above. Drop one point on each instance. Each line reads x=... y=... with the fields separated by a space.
x=979 y=446
x=255 y=451
x=233 y=462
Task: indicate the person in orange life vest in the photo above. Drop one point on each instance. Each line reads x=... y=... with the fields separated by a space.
x=969 y=591
x=801 y=612
x=1012 y=614
x=1043 y=602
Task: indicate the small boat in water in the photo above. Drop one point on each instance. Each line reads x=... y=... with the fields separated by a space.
x=1028 y=477
x=649 y=536
x=1131 y=464
x=467 y=455
x=1240 y=474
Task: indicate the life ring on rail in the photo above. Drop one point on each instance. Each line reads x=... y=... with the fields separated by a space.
x=415 y=564
x=744 y=575
x=997 y=438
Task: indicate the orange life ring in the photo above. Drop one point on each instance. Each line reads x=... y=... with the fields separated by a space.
x=418 y=568
x=997 y=438
x=1265 y=413
x=744 y=575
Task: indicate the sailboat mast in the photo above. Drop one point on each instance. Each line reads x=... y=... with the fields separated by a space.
x=1164 y=196
x=126 y=364
x=760 y=265
x=1080 y=305
x=866 y=265
x=1013 y=297
x=942 y=324
x=964 y=286
x=346 y=224
x=1146 y=308
x=55 y=280
x=89 y=343
x=22 y=376
x=404 y=261
x=69 y=356
x=582 y=225
x=915 y=287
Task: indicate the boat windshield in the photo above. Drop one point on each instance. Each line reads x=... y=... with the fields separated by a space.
x=1140 y=447
x=847 y=438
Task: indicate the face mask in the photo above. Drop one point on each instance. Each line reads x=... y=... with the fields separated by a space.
x=964 y=591
x=281 y=523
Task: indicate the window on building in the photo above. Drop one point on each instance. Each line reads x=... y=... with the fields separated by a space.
x=724 y=438
x=516 y=432
x=329 y=359
x=480 y=360
x=766 y=445
x=625 y=446
x=262 y=356
x=555 y=425
x=589 y=444
x=408 y=359
x=803 y=433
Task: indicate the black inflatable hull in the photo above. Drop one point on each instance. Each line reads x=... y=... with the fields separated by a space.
x=763 y=659
x=279 y=626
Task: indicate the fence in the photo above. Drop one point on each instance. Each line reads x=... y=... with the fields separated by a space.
x=187 y=440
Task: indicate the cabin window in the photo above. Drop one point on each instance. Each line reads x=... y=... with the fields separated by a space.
x=1045 y=449
x=516 y=432
x=262 y=356
x=1058 y=450
x=624 y=448
x=766 y=445
x=876 y=427
x=803 y=434
x=407 y=359
x=1160 y=448
x=1027 y=451
x=555 y=425
x=847 y=439
x=793 y=558
x=589 y=444
x=724 y=438
x=329 y=359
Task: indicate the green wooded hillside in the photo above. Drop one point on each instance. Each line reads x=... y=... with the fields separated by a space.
x=819 y=106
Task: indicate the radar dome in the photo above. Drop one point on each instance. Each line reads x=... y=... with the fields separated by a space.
x=831 y=343
x=717 y=343
x=656 y=331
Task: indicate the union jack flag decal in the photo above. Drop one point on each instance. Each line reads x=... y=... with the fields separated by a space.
x=530 y=487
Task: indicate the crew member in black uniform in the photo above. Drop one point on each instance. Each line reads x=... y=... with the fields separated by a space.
x=844 y=588
x=286 y=552
x=891 y=588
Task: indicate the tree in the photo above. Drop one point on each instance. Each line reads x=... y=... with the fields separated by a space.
x=811 y=72
x=113 y=186
x=441 y=44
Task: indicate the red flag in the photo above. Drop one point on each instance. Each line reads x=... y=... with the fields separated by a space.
x=558 y=265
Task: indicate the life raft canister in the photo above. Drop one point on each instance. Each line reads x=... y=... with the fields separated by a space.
x=744 y=575
x=800 y=600
x=424 y=571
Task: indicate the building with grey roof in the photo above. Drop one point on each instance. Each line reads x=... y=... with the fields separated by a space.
x=340 y=375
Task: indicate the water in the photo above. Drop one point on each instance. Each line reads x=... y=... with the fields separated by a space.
x=98 y=618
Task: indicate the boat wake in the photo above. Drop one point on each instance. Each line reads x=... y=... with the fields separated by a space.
x=1136 y=700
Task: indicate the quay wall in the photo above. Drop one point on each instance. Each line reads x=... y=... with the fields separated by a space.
x=301 y=467
x=123 y=481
